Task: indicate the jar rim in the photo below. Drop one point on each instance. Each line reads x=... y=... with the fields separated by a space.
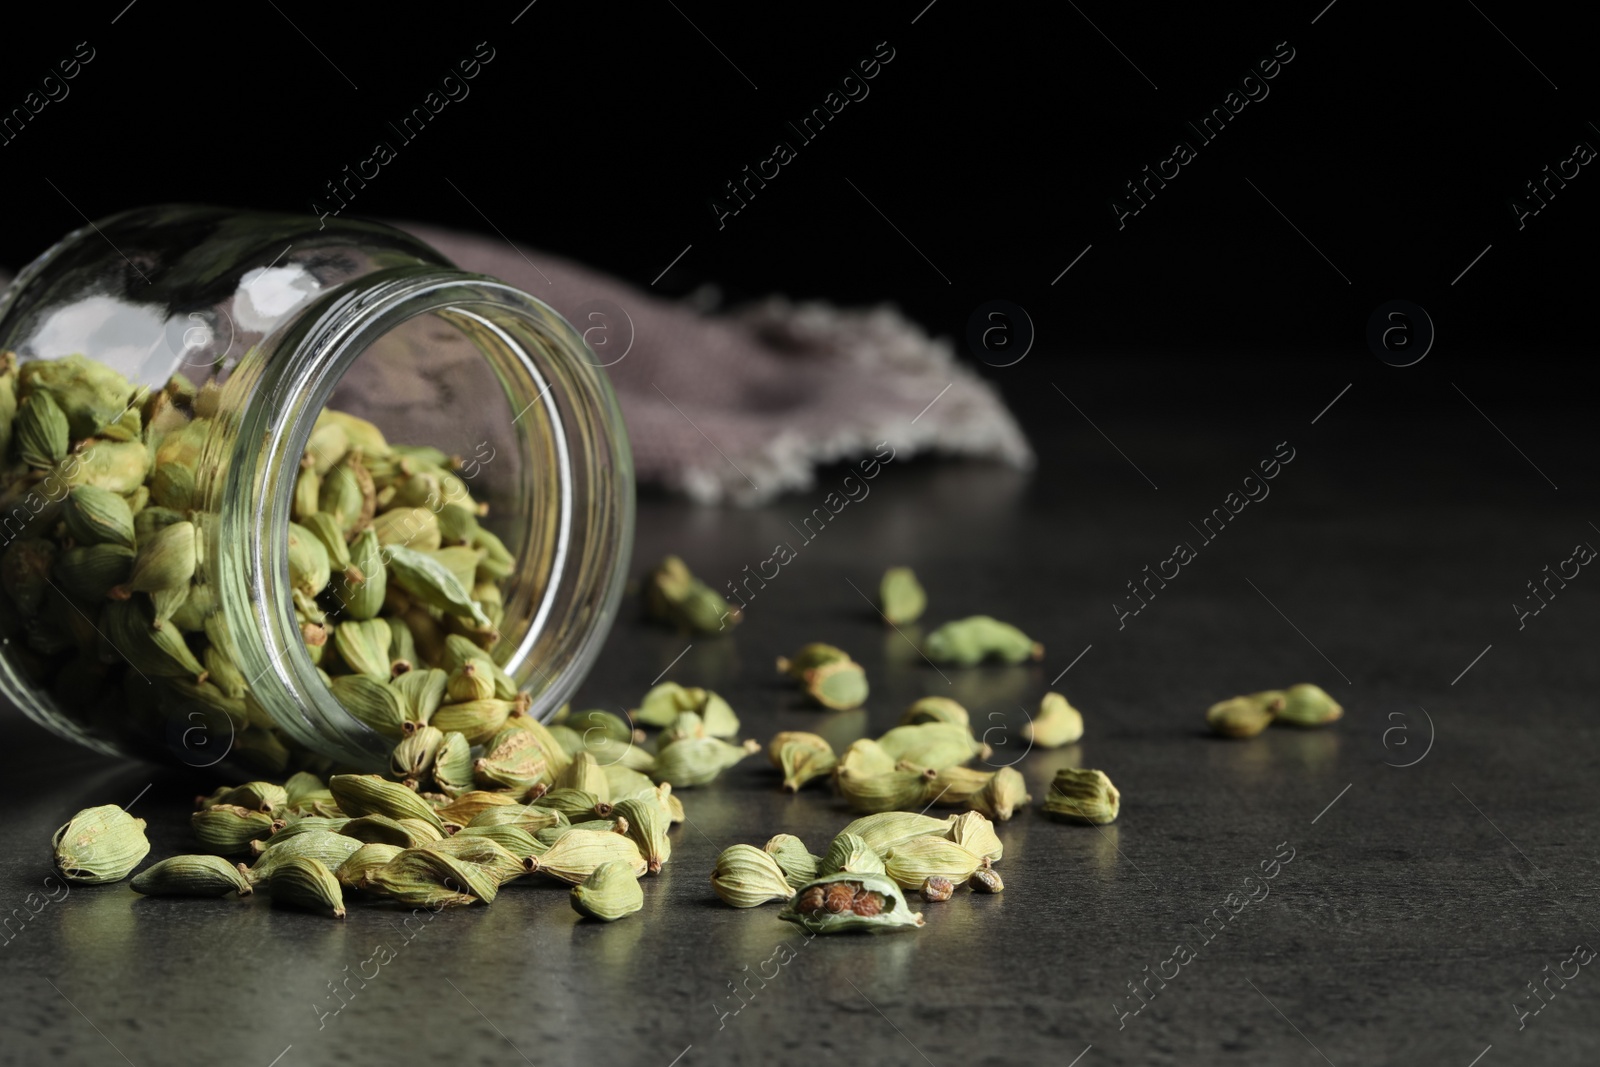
x=277 y=394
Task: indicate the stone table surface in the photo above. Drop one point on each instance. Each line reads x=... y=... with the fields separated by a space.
x=1435 y=849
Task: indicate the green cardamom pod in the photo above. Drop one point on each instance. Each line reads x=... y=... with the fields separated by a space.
x=696 y=761
x=479 y=720
x=746 y=877
x=130 y=629
x=844 y=903
x=369 y=794
x=469 y=682
x=886 y=792
x=799 y=866
x=99 y=845
x=575 y=856
x=414 y=755
x=900 y=596
x=347 y=496
x=497 y=563
x=360 y=587
x=91 y=394
x=99 y=517
x=850 y=853
x=1308 y=705
x=1083 y=796
x=469 y=804
x=514 y=839
x=268 y=797
x=608 y=894
x=383 y=830
x=309 y=566
x=801 y=757
x=89 y=572
x=116 y=466
x=325 y=846
x=936 y=709
x=864 y=758
x=524 y=817
x=461 y=562
x=486 y=854
x=513 y=761
x=883 y=831
x=421 y=691
x=932 y=744
x=839 y=686
x=363 y=646
x=913 y=862
x=809 y=658
x=413 y=528
x=452 y=766
x=457 y=524
x=421 y=878
x=973 y=831
x=370 y=701
x=663 y=704
x=968 y=642
x=307 y=884
x=674 y=596
x=163 y=568
x=648 y=823
x=40 y=432
x=352 y=873
x=430 y=582
x=956 y=786
x=228 y=829
x=1002 y=794
x=1057 y=723
x=191 y=876
x=307 y=487
x=1244 y=716
x=326 y=528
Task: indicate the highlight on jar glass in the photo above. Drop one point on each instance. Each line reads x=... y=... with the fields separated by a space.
x=275 y=494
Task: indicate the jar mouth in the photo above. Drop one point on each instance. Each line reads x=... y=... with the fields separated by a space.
x=554 y=457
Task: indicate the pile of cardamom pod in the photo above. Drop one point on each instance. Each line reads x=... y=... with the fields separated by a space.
x=857 y=885
x=394 y=582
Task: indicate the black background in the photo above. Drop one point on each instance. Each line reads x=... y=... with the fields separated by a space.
x=994 y=141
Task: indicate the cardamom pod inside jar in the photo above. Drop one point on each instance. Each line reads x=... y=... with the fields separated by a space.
x=273 y=493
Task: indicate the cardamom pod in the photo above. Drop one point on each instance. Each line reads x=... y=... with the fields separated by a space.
x=326 y=847
x=885 y=830
x=370 y=701
x=352 y=873
x=383 y=830
x=647 y=822
x=864 y=758
x=913 y=862
x=1057 y=723
x=801 y=757
x=900 y=596
x=479 y=720
x=228 y=829
x=452 y=766
x=973 y=831
x=1241 y=716
x=1002 y=795
x=420 y=877
x=421 y=691
x=809 y=658
x=843 y=903
x=936 y=709
x=674 y=596
x=886 y=792
x=40 y=432
x=518 y=842
x=838 y=686
x=799 y=866
x=1084 y=796
x=934 y=745
x=99 y=845
x=191 y=876
x=369 y=794
x=968 y=642
x=746 y=877
x=575 y=856
x=413 y=528
x=1308 y=705
x=360 y=587
x=696 y=761
x=487 y=854
x=609 y=893
x=850 y=853
x=307 y=884
x=309 y=566
x=419 y=746
x=514 y=761
x=89 y=572
x=99 y=517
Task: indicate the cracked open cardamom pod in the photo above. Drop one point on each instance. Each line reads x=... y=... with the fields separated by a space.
x=844 y=903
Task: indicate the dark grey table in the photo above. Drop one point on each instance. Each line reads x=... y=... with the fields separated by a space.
x=1442 y=834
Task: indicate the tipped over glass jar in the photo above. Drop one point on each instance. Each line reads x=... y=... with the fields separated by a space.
x=271 y=490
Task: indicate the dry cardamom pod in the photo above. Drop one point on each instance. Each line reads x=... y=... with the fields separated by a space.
x=99 y=517
x=479 y=720
x=900 y=596
x=1308 y=705
x=648 y=822
x=864 y=758
x=228 y=829
x=801 y=757
x=886 y=792
x=696 y=761
x=578 y=852
x=968 y=642
x=885 y=830
x=1240 y=716
x=746 y=877
x=850 y=853
x=936 y=709
x=975 y=833
x=429 y=581
x=799 y=866
x=1002 y=795
x=609 y=893
x=369 y=794
x=487 y=854
x=674 y=596
x=1057 y=723
x=191 y=876
x=414 y=756
x=843 y=903
x=99 y=845
x=1085 y=796
x=352 y=873
x=329 y=848
x=956 y=786
x=423 y=878
x=370 y=701
x=935 y=745
x=913 y=862
x=838 y=686
x=307 y=884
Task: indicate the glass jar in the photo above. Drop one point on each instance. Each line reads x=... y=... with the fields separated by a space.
x=191 y=351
